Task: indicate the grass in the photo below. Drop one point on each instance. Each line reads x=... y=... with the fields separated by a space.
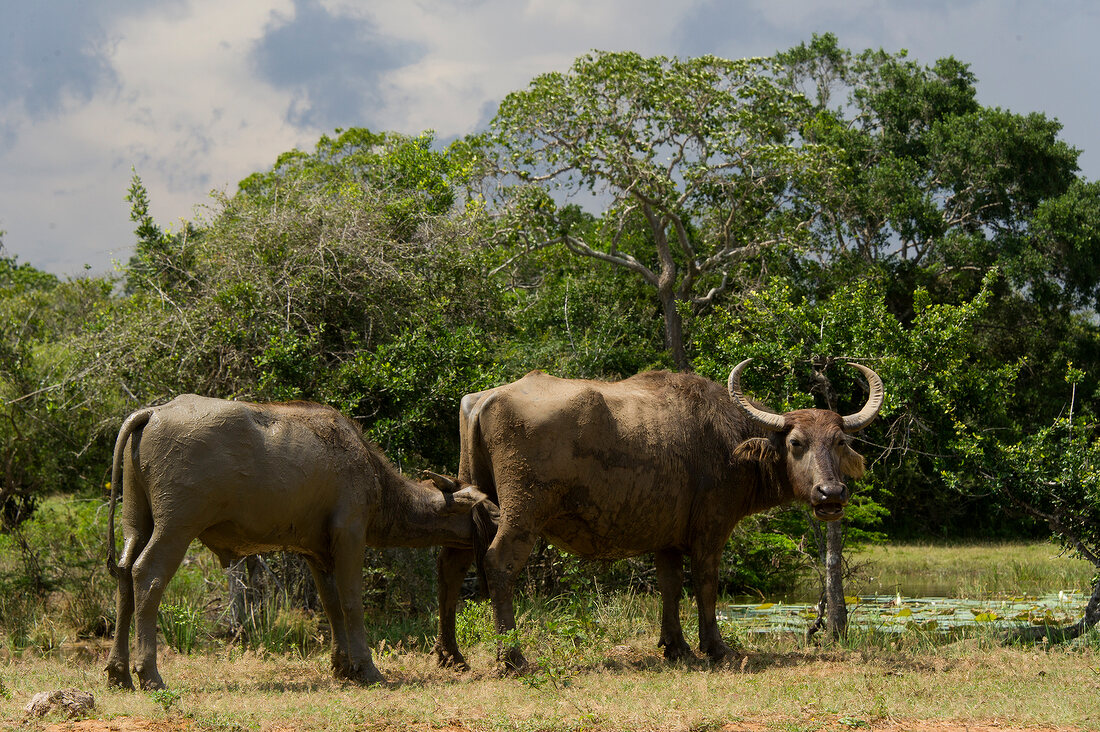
x=974 y=571
x=599 y=668
x=618 y=683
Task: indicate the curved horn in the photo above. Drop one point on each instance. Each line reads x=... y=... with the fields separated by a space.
x=862 y=418
x=768 y=420
x=442 y=482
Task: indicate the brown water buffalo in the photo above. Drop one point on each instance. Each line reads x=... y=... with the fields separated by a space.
x=661 y=462
x=246 y=478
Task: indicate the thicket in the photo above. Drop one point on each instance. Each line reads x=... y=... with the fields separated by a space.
x=631 y=213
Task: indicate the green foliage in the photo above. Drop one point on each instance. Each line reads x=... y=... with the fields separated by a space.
x=182 y=626
x=939 y=393
x=305 y=285
x=51 y=589
x=282 y=629
x=415 y=180
x=1053 y=474
x=693 y=160
x=43 y=421
x=409 y=388
x=764 y=556
x=474 y=623
x=166 y=699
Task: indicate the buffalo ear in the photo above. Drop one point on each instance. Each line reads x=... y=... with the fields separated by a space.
x=757 y=450
x=851 y=463
x=442 y=482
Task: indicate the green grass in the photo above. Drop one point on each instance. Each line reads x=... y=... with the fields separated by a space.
x=613 y=679
x=972 y=571
x=598 y=666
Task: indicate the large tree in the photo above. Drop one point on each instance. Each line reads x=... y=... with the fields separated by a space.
x=339 y=275
x=933 y=191
x=690 y=165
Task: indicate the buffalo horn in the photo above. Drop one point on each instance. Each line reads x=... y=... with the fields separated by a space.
x=442 y=482
x=768 y=420
x=864 y=417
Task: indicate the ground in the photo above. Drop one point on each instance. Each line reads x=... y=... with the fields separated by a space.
x=127 y=724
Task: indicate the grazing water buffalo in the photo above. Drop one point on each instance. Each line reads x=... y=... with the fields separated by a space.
x=661 y=462
x=247 y=478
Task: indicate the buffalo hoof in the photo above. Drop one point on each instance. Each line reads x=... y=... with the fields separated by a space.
x=151 y=682
x=119 y=677
x=678 y=651
x=514 y=661
x=720 y=653
x=453 y=659
x=341 y=665
x=364 y=674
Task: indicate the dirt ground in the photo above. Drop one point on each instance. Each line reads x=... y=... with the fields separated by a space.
x=126 y=724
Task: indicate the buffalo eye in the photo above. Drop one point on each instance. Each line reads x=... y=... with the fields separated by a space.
x=796 y=444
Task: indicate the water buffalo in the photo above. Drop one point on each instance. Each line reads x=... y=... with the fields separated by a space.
x=661 y=462
x=246 y=478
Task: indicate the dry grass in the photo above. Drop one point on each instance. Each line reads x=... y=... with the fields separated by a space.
x=779 y=684
x=600 y=670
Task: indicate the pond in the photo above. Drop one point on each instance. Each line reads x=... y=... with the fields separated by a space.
x=895 y=613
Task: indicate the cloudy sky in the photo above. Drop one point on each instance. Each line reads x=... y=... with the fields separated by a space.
x=194 y=95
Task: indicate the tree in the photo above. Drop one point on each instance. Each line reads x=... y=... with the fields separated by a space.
x=1054 y=476
x=926 y=178
x=693 y=164
x=941 y=394
x=932 y=192
x=43 y=419
x=342 y=276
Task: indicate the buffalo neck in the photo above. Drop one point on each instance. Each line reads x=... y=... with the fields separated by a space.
x=415 y=515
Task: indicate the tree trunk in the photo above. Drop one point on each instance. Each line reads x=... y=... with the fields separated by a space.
x=241 y=576
x=837 y=622
x=674 y=332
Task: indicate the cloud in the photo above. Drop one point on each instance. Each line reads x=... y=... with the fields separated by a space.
x=331 y=62
x=177 y=99
x=52 y=53
x=197 y=94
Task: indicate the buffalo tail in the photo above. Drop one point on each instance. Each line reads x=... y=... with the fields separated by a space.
x=133 y=423
x=486 y=518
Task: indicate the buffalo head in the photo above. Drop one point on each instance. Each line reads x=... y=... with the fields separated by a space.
x=812 y=446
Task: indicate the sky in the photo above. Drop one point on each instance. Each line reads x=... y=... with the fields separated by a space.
x=194 y=95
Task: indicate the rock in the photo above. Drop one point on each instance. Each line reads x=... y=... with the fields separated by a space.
x=73 y=702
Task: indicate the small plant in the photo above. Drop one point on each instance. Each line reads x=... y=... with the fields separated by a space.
x=166 y=698
x=280 y=629
x=474 y=623
x=181 y=626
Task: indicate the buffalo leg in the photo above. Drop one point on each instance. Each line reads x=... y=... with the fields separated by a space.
x=152 y=571
x=137 y=529
x=670 y=581
x=349 y=546
x=504 y=560
x=451 y=568
x=704 y=574
x=330 y=601
x=118 y=660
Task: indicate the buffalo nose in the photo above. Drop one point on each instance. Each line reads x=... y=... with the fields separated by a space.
x=830 y=493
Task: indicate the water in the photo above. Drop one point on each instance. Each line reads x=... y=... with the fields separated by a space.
x=894 y=613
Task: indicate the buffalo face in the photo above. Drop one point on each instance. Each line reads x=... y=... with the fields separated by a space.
x=813 y=446
x=818 y=457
